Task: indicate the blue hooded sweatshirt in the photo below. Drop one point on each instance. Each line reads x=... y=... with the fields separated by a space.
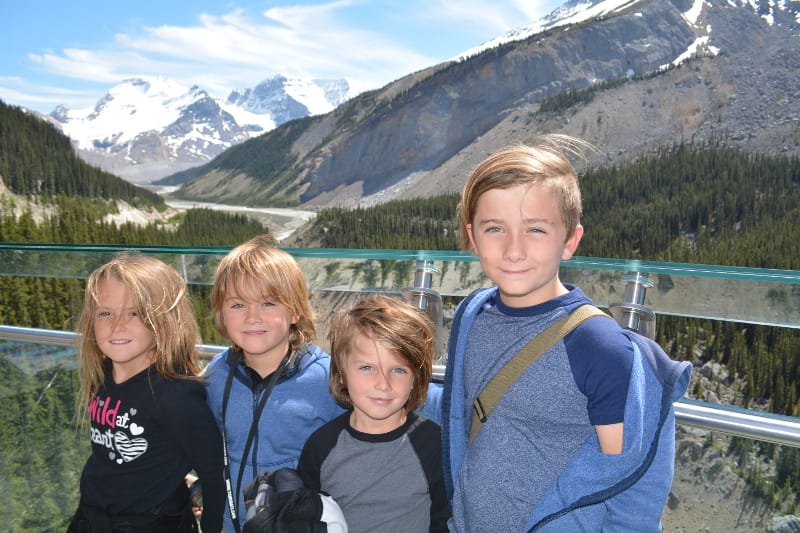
x=299 y=403
x=594 y=491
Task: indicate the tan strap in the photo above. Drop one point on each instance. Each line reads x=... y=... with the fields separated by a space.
x=488 y=398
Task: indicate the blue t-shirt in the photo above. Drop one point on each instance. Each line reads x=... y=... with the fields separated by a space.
x=545 y=415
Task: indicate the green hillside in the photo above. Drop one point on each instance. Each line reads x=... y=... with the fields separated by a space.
x=36 y=159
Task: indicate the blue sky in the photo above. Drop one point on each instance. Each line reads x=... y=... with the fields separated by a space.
x=56 y=52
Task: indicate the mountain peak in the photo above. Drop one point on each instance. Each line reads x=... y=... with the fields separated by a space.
x=154 y=119
x=294 y=97
x=571 y=12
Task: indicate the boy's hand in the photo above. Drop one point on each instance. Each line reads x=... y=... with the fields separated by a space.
x=193 y=482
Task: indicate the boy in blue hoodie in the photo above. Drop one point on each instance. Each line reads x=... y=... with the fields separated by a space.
x=584 y=438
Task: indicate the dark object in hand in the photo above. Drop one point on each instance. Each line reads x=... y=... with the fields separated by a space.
x=196 y=493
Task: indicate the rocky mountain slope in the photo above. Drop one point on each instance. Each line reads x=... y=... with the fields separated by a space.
x=736 y=80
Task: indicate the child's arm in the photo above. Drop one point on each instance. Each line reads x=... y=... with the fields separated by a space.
x=600 y=358
x=426 y=439
x=610 y=437
x=308 y=466
x=432 y=410
x=440 y=506
x=194 y=429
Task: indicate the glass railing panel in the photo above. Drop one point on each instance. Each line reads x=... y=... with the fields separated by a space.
x=42 y=451
x=197 y=264
x=737 y=294
x=761 y=296
x=749 y=295
x=721 y=482
x=727 y=483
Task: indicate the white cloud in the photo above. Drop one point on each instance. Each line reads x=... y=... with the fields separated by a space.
x=497 y=17
x=240 y=48
x=17 y=89
x=221 y=53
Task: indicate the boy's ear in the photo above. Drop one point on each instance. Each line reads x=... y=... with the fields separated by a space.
x=571 y=245
x=471 y=239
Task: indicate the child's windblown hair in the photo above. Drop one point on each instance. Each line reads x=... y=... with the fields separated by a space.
x=161 y=299
x=546 y=162
x=256 y=269
x=396 y=325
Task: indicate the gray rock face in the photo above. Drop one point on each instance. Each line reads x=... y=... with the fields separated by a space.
x=425 y=126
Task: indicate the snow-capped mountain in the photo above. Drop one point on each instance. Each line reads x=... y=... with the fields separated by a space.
x=571 y=12
x=147 y=127
x=577 y=11
x=283 y=99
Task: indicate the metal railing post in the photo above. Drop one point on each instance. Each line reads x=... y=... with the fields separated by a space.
x=423 y=296
x=632 y=313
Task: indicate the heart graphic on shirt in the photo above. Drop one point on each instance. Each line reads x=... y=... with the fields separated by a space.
x=111 y=455
x=133 y=411
x=128 y=448
x=101 y=403
x=136 y=429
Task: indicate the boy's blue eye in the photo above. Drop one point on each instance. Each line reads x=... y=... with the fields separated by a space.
x=365 y=368
x=400 y=371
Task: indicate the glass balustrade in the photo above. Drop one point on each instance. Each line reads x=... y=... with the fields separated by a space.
x=725 y=456
x=749 y=295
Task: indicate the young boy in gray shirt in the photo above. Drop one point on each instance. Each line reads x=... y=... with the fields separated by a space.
x=381 y=460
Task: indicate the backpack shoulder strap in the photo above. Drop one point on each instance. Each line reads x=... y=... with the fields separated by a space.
x=488 y=398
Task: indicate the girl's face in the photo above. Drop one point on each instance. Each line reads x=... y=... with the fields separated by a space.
x=119 y=331
x=259 y=326
x=379 y=382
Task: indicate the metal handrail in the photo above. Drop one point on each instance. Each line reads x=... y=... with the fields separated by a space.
x=755 y=425
x=748 y=423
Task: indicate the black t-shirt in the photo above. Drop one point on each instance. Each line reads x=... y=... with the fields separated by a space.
x=147 y=433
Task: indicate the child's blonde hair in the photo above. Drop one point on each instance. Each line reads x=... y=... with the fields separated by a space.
x=546 y=163
x=163 y=304
x=258 y=267
x=395 y=324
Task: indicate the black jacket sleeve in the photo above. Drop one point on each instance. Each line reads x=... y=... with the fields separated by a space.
x=192 y=426
x=427 y=442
